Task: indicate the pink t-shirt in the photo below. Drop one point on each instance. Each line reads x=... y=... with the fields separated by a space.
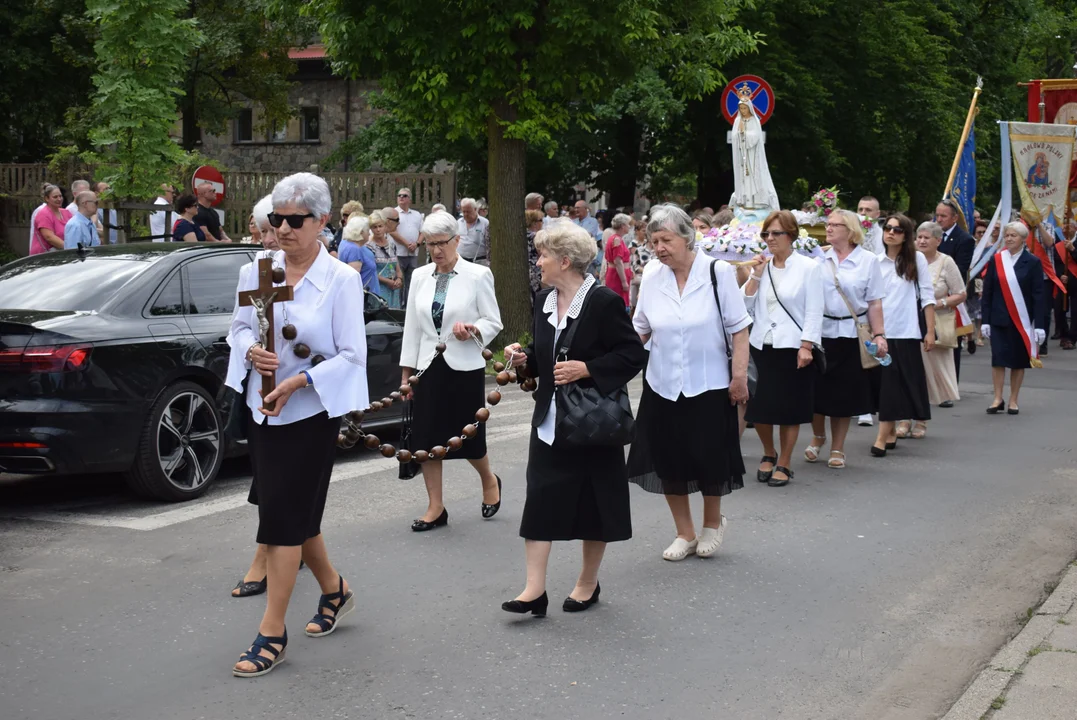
x=48 y=219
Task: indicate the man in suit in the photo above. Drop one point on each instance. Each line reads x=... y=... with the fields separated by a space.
x=959 y=245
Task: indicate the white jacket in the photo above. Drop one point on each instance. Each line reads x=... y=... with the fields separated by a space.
x=469 y=299
x=800 y=288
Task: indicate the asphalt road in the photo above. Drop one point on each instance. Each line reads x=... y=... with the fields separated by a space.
x=877 y=592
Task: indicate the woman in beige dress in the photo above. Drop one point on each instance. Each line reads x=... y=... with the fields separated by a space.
x=949 y=293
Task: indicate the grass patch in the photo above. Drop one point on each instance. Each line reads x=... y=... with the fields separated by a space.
x=1063 y=621
x=1037 y=650
x=998 y=702
x=1022 y=620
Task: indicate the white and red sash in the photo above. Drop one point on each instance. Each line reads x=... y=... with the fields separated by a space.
x=963 y=321
x=1015 y=304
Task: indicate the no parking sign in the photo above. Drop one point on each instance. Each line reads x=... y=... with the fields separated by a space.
x=762 y=96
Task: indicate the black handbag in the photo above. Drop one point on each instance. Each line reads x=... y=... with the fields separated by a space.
x=753 y=372
x=238 y=414
x=818 y=354
x=586 y=417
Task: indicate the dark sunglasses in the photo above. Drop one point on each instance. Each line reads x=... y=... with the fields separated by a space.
x=896 y=229
x=403 y=195
x=295 y=221
x=775 y=233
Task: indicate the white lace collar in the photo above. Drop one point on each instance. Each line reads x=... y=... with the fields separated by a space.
x=550 y=306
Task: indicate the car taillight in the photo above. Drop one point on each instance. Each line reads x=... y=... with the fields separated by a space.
x=46 y=359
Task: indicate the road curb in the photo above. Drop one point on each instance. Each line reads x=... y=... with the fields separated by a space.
x=1009 y=662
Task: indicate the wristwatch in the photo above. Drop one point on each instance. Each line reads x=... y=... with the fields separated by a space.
x=310 y=382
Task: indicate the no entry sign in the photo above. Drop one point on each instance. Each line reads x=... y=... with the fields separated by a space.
x=761 y=93
x=213 y=176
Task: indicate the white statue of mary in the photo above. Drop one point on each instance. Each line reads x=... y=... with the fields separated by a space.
x=752 y=187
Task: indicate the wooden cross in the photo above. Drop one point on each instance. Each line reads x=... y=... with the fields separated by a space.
x=266 y=295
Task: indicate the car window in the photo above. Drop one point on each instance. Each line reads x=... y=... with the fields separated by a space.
x=66 y=281
x=212 y=283
x=170 y=299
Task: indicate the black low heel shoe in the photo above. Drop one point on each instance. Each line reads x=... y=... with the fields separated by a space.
x=571 y=605
x=536 y=607
x=878 y=451
x=995 y=409
x=421 y=525
x=488 y=511
x=891 y=445
x=764 y=475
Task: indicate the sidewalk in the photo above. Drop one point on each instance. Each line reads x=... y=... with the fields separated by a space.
x=1034 y=677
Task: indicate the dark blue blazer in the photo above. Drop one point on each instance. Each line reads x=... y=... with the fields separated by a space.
x=960 y=246
x=1029 y=272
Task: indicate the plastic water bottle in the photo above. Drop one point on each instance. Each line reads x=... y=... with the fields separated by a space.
x=873 y=348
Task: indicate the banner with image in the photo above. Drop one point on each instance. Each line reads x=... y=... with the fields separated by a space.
x=1043 y=157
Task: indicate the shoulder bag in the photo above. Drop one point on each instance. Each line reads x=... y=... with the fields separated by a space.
x=586 y=417
x=818 y=354
x=863 y=330
x=753 y=373
x=945 y=322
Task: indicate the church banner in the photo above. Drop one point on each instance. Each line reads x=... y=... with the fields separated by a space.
x=1042 y=156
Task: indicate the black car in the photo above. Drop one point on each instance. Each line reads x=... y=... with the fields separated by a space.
x=113 y=359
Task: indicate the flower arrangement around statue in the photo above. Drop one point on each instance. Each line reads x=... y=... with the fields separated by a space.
x=825 y=201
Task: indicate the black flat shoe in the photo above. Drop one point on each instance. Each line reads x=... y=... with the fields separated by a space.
x=765 y=475
x=421 y=525
x=891 y=445
x=247 y=589
x=995 y=409
x=536 y=607
x=972 y=348
x=571 y=605
x=1012 y=411
x=878 y=452
x=781 y=482
x=488 y=511
x=946 y=404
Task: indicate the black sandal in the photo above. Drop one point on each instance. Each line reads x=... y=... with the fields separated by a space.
x=263 y=664
x=328 y=623
x=780 y=482
x=252 y=587
x=765 y=475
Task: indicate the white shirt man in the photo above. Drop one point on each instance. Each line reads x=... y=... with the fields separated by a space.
x=157 y=218
x=474 y=232
x=77 y=187
x=873 y=239
x=553 y=213
x=406 y=236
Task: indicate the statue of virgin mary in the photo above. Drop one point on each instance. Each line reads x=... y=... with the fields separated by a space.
x=752 y=187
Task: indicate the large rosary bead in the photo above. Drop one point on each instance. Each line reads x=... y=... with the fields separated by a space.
x=405 y=389
x=494 y=397
x=455 y=443
x=512 y=376
x=420 y=456
x=317 y=359
x=388 y=451
x=502 y=378
x=482 y=415
x=372 y=441
x=437 y=452
x=289 y=332
x=413 y=380
x=487 y=354
x=278 y=275
x=395 y=395
x=355 y=416
x=529 y=385
x=386 y=402
x=352 y=435
x=470 y=430
x=301 y=351
x=404 y=456
x=499 y=366
x=440 y=347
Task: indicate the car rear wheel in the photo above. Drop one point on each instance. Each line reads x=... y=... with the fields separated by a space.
x=181 y=446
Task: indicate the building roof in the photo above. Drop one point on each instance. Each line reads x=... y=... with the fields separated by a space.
x=311 y=52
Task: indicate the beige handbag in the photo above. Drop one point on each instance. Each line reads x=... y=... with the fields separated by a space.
x=863 y=330
x=945 y=322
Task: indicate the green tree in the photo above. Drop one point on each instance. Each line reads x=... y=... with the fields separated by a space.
x=512 y=72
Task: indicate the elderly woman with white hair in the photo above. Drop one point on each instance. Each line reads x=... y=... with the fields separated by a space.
x=452 y=315
x=618 y=257
x=319 y=364
x=353 y=251
x=1013 y=306
x=692 y=312
x=582 y=336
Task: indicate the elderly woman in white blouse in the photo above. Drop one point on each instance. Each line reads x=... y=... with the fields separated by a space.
x=687 y=436
x=785 y=295
x=320 y=367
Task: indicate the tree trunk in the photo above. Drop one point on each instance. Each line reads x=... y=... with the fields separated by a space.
x=506 y=189
x=189 y=109
x=623 y=184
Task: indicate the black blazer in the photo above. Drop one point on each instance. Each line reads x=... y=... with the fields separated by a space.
x=960 y=246
x=1029 y=272
x=606 y=342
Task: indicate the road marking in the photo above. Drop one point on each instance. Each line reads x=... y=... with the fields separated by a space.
x=231 y=501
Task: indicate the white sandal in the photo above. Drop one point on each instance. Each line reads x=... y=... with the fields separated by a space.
x=836 y=463
x=680 y=549
x=710 y=540
x=811 y=453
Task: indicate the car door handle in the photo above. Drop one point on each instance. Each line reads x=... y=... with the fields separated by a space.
x=222 y=344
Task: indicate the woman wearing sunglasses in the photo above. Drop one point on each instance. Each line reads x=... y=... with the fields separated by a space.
x=319 y=362
x=785 y=295
x=903 y=384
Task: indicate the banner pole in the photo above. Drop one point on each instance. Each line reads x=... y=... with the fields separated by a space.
x=964 y=136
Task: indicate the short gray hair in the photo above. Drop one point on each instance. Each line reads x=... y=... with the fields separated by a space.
x=355 y=229
x=469 y=201
x=1019 y=227
x=566 y=239
x=532 y=196
x=438 y=207
x=670 y=218
x=621 y=220
x=84 y=195
x=439 y=223
x=79 y=186
x=548 y=205
x=930 y=227
x=261 y=211
x=306 y=190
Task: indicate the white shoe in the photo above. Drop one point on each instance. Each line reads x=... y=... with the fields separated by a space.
x=710 y=539
x=865 y=421
x=680 y=549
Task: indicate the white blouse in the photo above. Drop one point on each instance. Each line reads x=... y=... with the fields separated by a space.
x=549 y=424
x=800 y=285
x=861 y=281
x=900 y=313
x=327 y=313
x=688 y=347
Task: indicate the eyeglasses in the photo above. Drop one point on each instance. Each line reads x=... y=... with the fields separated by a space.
x=440 y=243
x=834 y=225
x=345 y=215
x=396 y=220
x=403 y=195
x=896 y=229
x=774 y=233
x=295 y=221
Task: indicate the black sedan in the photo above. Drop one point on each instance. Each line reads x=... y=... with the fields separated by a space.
x=113 y=359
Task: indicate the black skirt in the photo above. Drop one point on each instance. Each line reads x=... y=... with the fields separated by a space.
x=292 y=465
x=844 y=391
x=784 y=395
x=576 y=493
x=688 y=446
x=444 y=401
x=1008 y=348
x=903 y=383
